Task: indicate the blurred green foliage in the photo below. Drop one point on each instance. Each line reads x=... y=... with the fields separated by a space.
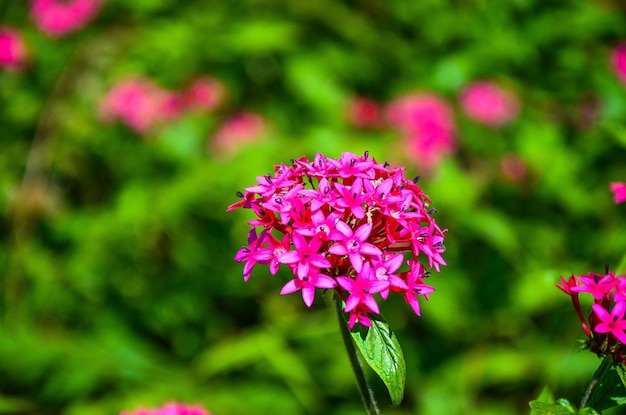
x=118 y=285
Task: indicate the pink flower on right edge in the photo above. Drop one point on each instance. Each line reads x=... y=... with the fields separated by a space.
x=426 y=122
x=13 y=52
x=489 y=104
x=171 y=408
x=619 y=192
x=605 y=325
x=60 y=17
x=618 y=61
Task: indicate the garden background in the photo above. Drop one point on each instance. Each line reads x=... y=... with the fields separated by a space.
x=118 y=285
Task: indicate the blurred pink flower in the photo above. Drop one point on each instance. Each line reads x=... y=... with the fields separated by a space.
x=13 y=52
x=237 y=131
x=489 y=104
x=204 y=94
x=427 y=123
x=364 y=113
x=170 y=409
x=60 y=17
x=618 y=59
x=140 y=104
x=619 y=192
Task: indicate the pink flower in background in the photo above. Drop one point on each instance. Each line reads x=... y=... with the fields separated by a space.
x=13 y=52
x=427 y=124
x=140 y=104
x=170 y=409
x=237 y=131
x=60 y=17
x=618 y=60
x=204 y=94
x=364 y=113
x=619 y=192
x=489 y=104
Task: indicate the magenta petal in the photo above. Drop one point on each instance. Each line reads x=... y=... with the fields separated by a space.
x=308 y=295
x=320 y=262
x=290 y=287
x=602 y=314
x=343 y=228
x=289 y=257
x=621 y=336
x=415 y=305
x=377 y=286
x=357 y=261
x=324 y=281
x=369 y=249
x=618 y=310
x=346 y=283
x=394 y=263
x=351 y=303
x=371 y=303
x=338 y=249
x=363 y=232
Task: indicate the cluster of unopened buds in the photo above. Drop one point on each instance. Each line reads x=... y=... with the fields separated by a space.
x=348 y=224
x=605 y=326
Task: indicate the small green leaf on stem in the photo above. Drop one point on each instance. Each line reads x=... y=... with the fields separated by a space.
x=544 y=408
x=381 y=350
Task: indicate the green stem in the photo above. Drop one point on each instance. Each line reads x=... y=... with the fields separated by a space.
x=357 y=366
x=604 y=367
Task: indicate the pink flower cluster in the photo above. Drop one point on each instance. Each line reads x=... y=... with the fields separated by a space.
x=619 y=191
x=350 y=224
x=605 y=326
x=141 y=104
x=13 y=52
x=60 y=17
x=170 y=409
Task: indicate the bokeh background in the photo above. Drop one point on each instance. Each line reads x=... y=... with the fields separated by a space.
x=128 y=128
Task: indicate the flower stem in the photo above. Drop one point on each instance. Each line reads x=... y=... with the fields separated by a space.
x=367 y=395
x=604 y=367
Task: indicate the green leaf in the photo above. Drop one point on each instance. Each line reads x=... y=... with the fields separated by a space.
x=543 y=408
x=381 y=350
x=545 y=396
x=610 y=392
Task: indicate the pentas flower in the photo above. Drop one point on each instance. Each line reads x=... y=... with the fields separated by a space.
x=348 y=224
x=171 y=408
x=605 y=325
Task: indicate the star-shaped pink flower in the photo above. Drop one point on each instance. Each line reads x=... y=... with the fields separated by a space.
x=614 y=322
